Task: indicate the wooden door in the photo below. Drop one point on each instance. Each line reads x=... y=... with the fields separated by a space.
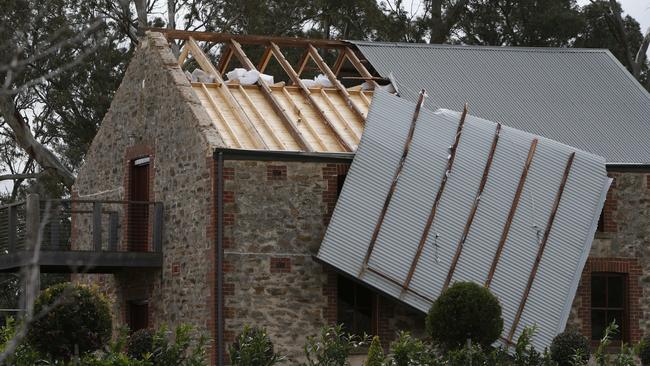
x=138 y=223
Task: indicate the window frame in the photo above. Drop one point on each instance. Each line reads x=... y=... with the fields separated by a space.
x=354 y=329
x=624 y=328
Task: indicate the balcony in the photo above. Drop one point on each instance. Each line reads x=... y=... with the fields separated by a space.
x=80 y=236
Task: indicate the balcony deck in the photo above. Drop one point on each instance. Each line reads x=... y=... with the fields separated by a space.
x=81 y=236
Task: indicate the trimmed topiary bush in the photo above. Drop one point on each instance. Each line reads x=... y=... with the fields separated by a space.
x=76 y=319
x=140 y=343
x=568 y=344
x=465 y=310
x=253 y=347
x=375 y=353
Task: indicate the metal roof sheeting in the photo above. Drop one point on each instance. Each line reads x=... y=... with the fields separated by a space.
x=369 y=180
x=580 y=97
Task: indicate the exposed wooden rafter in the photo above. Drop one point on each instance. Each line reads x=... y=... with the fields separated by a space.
x=542 y=246
x=358 y=65
x=268 y=94
x=207 y=66
x=436 y=201
x=224 y=60
x=248 y=39
x=313 y=53
x=340 y=136
x=264 y=60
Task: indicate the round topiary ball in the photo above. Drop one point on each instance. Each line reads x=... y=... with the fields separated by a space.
x=465 y=310
x=140 y=343
x=76 y=319
x=568 y=344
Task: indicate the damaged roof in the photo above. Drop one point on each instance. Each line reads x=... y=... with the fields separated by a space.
x=581 y=97
x=471 y=201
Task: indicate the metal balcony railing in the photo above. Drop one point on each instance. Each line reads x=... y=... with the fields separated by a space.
x=107 y=232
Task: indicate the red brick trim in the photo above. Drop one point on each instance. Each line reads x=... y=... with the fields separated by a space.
x=276 y=172
x=633 y=270
x=608 y=223
x=280 y=265
x=331 y=173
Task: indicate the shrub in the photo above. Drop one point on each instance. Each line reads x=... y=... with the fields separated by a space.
x=140 y=343
x=465 y=310
x=408 y=351
x=253 y=347
x=332 y=347
x=644 y=351
x=568 y=344
x=75 y=318
x=375 y=353
x=178 y=348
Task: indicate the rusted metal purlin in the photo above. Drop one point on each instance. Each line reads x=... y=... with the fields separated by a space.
x=398 y=171
x=205 y=64
x=268 y=94
x=511 y=214
x=542 y=246
x=434 y=208
x=313 y=52
x=340 y=138
x=396 y=282
x=477 y=200
x=248 y=39
x=224 y=60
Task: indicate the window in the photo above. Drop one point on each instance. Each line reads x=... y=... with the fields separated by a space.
x=138 y=313
x=608 y=304
x=354 y=307
x=340 y=179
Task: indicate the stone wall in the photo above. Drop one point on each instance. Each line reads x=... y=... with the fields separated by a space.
x=275 y=217
x=156 y=113
x=621 y=245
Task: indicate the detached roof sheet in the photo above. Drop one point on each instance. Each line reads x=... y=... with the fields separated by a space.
x=580 y=97
x=358 y=214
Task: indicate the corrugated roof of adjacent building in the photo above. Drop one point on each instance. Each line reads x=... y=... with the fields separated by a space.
x=581 y=97
x=391 y=265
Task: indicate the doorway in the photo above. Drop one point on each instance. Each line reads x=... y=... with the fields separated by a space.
x=138 y=207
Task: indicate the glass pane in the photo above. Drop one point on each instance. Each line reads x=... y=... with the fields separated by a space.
x=364 y=297
x=598 y=291
x=616 y=316
x=598 y=323
x=345 y=291
x=615 y=292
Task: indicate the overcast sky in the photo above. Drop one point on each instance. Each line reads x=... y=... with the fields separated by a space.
x=638 y=9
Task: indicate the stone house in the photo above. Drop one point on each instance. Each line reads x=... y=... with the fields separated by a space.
x=250 y=174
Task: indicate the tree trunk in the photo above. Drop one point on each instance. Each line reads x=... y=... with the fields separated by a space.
x=34 y=149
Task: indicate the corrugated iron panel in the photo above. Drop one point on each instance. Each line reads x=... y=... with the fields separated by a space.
x=581 y=97
x=356 y=214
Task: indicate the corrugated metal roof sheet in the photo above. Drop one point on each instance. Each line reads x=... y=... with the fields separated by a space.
x=580 y=97
x=369 y=180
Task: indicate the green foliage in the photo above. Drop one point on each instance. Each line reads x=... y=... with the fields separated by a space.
x=253 y=347
x=465 y=311
x=140 y=344
x=332 y=347
x=178 y=348
x=70 y=319
x=375 y=353
x=644 y=351
x=409 y=351
x=24 y=355
x=115 y=355
x=570 y=348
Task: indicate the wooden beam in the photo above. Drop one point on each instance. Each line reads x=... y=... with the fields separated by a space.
x=181 y=58
x=340 y=137
x=313 y=52
x=223 y=119
x=302 y=63
x=248 y=39
x=224 y=60
x=472 y=214
x=336 y=111
x=511 y=214
x=358 y=65
x=364 y=98
x=275 y=104
x=207 y=66
x=304 y=119
x=261 y=117
x=436 y=201
x=396 y=175
x=338 y=64
x=264 y=61
x=542 y=245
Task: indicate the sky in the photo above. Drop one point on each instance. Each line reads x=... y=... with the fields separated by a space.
x=638 y=9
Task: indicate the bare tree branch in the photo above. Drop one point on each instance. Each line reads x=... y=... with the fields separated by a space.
x=18 y=176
